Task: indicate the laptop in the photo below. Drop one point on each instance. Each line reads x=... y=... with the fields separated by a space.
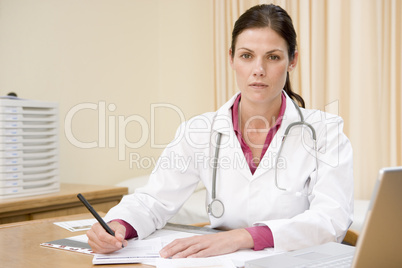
x=379 y=244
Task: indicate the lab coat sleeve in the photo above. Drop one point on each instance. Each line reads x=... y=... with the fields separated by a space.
x=170 y=185
x=331 y=203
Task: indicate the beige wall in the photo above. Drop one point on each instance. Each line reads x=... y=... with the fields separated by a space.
x=99 y=55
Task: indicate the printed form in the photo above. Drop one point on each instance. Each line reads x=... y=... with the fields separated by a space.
x=147 y=251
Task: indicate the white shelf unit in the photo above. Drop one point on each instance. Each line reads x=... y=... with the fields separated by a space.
x=29 y=148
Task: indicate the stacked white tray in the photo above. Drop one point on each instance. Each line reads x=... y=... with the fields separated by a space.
x=29 y=148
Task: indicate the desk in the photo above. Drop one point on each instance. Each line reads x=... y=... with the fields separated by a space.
x=20 y=245
x=62 y=203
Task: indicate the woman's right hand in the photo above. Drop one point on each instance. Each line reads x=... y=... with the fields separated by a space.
x=102 y=242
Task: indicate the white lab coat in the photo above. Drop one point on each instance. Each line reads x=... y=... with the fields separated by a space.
x=299 y=217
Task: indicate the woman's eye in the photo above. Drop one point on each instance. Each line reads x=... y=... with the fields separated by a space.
x=246 y=56
x=273 y=57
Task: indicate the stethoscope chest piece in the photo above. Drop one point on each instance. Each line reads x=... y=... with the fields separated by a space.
x=216 y=208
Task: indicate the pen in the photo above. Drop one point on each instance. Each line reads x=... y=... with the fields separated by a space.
x=96 y=215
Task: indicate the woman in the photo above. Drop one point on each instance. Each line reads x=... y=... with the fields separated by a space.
x=267 y=192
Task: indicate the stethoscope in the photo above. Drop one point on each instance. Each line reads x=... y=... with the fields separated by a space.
x=216 y=207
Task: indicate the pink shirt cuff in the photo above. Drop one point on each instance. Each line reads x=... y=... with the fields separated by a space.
x=130 y=231
x=262 y=237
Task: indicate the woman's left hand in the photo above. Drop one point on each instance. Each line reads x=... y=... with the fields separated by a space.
x=208 y=245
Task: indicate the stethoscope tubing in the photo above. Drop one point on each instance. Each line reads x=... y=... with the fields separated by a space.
x=314 y=137
x=216 y=158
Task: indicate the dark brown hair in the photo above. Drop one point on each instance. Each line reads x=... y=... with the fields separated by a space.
x=277 y=19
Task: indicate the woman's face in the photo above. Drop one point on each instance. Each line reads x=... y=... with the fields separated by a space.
x=261 y=63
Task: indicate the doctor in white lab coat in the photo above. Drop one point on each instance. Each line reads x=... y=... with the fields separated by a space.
x=308 y=202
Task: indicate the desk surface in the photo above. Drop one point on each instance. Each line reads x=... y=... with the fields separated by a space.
x=64 y=202
x=20 y=245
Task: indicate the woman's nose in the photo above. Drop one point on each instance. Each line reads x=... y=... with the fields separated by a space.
x=259 y=69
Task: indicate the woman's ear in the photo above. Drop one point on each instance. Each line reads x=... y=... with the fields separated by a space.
x=230 y=57
x=293 y=62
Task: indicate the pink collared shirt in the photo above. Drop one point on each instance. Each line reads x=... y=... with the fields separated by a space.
x=271 y=133
x=262 y=235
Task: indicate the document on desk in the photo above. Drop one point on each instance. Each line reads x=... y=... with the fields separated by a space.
x=147 y=251
x=212 y=262
x=141 y=251
x=137 y=251
x=76 y=226
x=77 y=243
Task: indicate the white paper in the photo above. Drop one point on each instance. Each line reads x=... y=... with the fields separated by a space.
x=167 y=236
x=240 y=257
x=213 y=262
x=137 y=251
x=147 y=251
x=75 y=226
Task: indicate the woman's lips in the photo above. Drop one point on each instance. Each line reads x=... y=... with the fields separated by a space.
x=258 y=85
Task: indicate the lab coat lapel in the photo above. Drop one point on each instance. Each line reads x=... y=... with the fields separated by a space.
x=230 y=146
